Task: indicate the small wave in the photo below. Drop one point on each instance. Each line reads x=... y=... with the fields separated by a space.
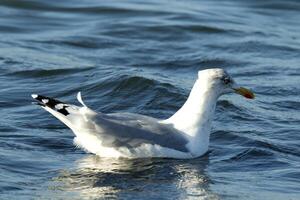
x=86 y=42
x=253 y=146
x=288 y=104
x=276 y=5
x=275 y=148
x=192 y=28
x=188 y=63
x=261 y=49
x=251 y=153
x=227 y=105
x=134 y=82
x=78 y=8
x=135 y=94
x=57 y=144
x=128 y=83
x=38 y=73
x=278 y=90
x=13 y=29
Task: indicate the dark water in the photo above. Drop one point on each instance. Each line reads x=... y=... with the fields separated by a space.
x=143 y=58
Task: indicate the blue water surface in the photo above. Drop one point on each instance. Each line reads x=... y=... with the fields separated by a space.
x=129 y=56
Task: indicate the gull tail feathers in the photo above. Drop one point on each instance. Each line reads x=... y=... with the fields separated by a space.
x=67 y=113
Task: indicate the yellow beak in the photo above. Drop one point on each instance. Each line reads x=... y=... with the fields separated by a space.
x=244 y=92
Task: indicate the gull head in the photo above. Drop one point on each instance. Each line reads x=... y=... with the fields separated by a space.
x=221 y=83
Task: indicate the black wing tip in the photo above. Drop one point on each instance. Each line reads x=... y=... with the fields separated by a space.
x=51 y=103
x=40 y=98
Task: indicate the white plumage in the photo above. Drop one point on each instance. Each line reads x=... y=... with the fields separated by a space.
x=184 y=135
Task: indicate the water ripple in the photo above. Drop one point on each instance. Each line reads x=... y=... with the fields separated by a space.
x=143 y=58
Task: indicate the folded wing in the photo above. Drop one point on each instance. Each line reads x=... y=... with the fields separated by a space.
x=114 y=130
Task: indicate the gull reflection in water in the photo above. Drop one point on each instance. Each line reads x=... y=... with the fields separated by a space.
x=94 y=177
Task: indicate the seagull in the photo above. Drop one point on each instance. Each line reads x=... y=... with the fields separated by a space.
x=184 y=135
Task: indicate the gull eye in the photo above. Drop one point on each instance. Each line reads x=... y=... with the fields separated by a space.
x=226 y=80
